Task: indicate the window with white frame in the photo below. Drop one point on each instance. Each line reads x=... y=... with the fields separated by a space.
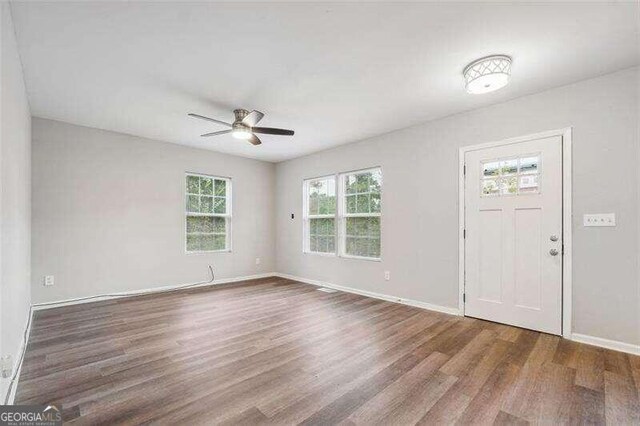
x=320 y=215
x=346 y=209
x=207 y=213
x=361 y=197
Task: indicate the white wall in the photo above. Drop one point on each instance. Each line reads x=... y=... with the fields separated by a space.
x=15 y=199
x=108 y=213
x=420 y=201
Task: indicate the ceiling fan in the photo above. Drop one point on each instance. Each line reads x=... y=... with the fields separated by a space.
x=244 y=126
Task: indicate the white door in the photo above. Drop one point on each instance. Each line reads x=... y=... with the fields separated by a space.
x=513 y=234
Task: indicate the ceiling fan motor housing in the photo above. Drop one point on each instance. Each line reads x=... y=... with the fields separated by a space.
x=240 y=115
x=239 y=126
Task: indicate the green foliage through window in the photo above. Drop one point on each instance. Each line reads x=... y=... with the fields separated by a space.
x=322 y=197
x=207 y=210
x=321 y=202
x=322 y=235
x=360 y=207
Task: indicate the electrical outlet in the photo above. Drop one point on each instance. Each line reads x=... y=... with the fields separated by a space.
x=387 y=275
x=48 y=280
x=257 y=260
x=602 y=219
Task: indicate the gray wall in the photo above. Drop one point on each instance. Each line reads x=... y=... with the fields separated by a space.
x=15 y=199
x=108 y=213
x=420 y=201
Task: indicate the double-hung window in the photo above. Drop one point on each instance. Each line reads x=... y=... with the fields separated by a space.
x=361 y=198
x=342 y=214
x=208 y=213
x=320 y=217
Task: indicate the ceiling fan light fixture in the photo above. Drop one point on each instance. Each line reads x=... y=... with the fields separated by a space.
x=244 y=126
x=487 y=74
x=241 y=134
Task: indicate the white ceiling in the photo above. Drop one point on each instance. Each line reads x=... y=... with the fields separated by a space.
x=335 y=73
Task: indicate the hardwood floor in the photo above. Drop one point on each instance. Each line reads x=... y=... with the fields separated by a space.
x=274 y=351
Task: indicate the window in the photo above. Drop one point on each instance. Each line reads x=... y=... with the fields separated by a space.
x=361 y=224
x=320 y=216
x=342 y=214
x=208 y=213
x=511 y=176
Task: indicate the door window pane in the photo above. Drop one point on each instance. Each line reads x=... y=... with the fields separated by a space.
x=509 y=167
x=509 y=185
x=529 y=165
x=490 y=186
x=528 y=183
x=491 y=169
x=512 y=176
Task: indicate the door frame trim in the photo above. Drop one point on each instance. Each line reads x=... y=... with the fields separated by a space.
x=566 y=135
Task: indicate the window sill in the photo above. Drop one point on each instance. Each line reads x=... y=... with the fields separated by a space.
x=189 y=253
x=319 y=254
x=369 y=259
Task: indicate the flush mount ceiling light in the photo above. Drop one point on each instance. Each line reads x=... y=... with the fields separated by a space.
x=487 y=74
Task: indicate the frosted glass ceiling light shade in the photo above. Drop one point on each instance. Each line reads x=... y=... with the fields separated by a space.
x=241 y=134
x=487 y=74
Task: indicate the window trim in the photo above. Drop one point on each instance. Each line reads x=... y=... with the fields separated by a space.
x=228 y=215
x=340 y=216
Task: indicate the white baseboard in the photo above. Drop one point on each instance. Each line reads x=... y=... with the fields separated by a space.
x=409 y=302
x=18 y=358
x=118 y=295
x=606 y=343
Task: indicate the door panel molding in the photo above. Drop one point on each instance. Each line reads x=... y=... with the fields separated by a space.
x=566 y=135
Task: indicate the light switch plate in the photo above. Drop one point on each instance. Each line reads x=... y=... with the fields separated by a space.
x=601 y=219
x=48 y=280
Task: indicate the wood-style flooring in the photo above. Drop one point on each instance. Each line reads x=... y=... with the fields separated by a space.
x=274 y=351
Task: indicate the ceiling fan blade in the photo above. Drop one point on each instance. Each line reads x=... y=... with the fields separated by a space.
x=253 y=140
x=252 y=118
x=202 y=117
x=272 y=131
x=221 y=132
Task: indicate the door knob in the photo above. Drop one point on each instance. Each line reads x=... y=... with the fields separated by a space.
x=553 y=252
x=553 y=238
